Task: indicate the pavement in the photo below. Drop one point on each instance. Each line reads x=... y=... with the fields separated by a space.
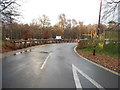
x=54 y=66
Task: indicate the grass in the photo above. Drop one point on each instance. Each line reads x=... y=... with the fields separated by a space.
x=111 y=50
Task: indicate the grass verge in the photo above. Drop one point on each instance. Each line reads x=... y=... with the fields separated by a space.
x=107 y=56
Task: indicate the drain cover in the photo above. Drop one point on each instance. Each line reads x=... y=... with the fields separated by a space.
x=44 y=52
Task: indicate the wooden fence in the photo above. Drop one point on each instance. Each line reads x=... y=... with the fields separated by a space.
x=19 y=44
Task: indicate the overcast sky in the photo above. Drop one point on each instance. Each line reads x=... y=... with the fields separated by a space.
x=83 y=10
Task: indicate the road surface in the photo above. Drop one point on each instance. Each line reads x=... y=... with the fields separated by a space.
x=54 y=66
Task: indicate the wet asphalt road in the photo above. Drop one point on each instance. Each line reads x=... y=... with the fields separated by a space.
x=24 y=69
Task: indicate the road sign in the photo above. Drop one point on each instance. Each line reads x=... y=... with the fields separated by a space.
x=58 y=37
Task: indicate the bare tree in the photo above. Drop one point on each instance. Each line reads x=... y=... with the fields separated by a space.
x=45 y=23
x=8 y=10
x=110 y=9
x=5 y=4
x=62 y=21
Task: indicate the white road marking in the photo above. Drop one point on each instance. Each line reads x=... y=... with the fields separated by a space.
x=76 y=78
x=54 y=48
x=87 y=77
x=17 y=53
x=45 y=61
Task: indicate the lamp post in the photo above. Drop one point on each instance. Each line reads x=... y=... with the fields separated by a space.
x=99 y=29
x=118 y=15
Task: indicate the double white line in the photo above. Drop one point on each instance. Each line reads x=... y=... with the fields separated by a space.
x=77 y=81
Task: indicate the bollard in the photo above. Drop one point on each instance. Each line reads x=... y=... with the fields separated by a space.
x=20 y=45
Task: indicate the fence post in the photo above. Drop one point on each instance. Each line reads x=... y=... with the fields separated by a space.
x=24 y=44
x=20 y=45
x=14 y=45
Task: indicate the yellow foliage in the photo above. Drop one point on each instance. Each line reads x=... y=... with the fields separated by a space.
x=101 y=44
x=101 y=37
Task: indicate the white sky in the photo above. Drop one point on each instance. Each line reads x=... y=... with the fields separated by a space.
x=83 y=10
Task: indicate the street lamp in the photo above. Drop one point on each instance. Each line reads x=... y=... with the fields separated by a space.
x=118 y=15
x=99 y=29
